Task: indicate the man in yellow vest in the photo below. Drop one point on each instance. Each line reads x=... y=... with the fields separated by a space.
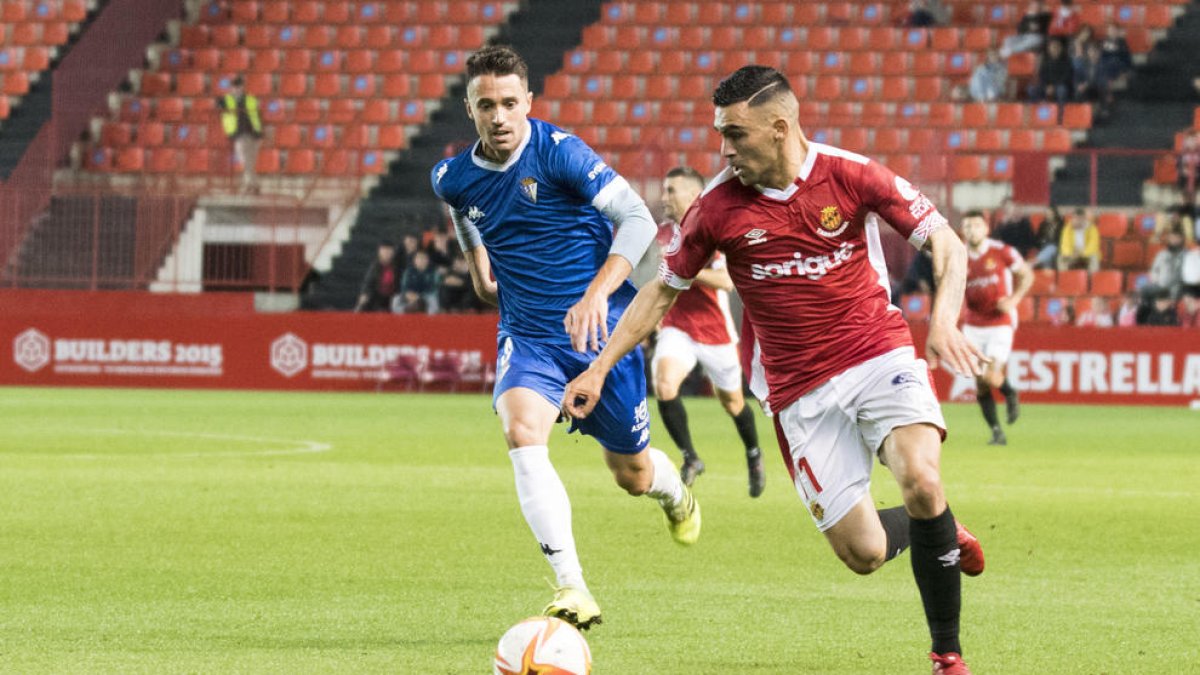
x=242 y=124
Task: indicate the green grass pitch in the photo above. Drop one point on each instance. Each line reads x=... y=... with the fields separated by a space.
x=213 y=532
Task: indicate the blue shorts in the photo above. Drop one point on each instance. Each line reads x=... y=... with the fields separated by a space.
x=621 y=420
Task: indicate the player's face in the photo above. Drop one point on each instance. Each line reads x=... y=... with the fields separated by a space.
x=975 y=230
x=751 y=144
x=499 y=106
x=678 y=193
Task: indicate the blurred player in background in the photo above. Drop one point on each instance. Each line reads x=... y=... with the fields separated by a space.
x=699 y=328
x=537 y=207
x=797 y=222
x=990 y=319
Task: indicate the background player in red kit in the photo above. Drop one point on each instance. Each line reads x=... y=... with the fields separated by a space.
x=990 y=319
x=797 y=223
x=699 y=328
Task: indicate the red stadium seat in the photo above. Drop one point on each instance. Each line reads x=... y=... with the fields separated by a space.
x=327 y=85
x=151 y=134
x=307 y=111
x=164 y=160
x=1106 y=282
x=1112 y=224
x=1077 y=116
x=131 y=159
x=306 y=12
x=300 y=161
x=189 y=85
x=1025 y=310
x=1043 y=282
x=267 y=161
x=915 y=307
x=1127 y=255
x=235 y=60
x=329 y=61
x=392 y=137
x=336 y=162
x=152 y=84
x=293 y=85
x=889 y=140
x=1072 y=283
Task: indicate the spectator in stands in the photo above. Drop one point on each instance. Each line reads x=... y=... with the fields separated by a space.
x=1031 y=31
x=1079 y=245
x=1161 y=311
x=381 y=282
x=1189 y=310
x=1080 y=41
x=1115 y=55
x=410 y=244
x=455 y=292
x=919 y=277
x=1176 y=217
x=1014 y=229
x=1190 y=271
x=419 y=287
x=441 y=257
x=920 y=14
x=1091 y=80
x=1097 y=315
x=989 y=80
x=1066 y=21
x=1127 y=313
x=1189 y=165
x=242 y=125
x=1048 y=236
x=1055 y=76
x=1166 y=272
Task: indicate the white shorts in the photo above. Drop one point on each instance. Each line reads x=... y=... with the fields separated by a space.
x=994 y=341
x=831 y=435
x=720 y=362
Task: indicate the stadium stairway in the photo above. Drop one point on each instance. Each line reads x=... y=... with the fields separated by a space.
x=1160 y=101
x=541 y=31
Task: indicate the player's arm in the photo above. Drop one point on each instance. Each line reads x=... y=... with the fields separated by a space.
x=715 y=277
x=945 y=341
x=634 y=228
x=477 y=258
x=1024 y=281
x=638 y=321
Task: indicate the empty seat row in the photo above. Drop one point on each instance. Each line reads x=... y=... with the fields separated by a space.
x=352 y=136
x=365 y=61
x=136 y=110
x=31 y=59
x=789 y=37
x=31 y=34
x=292 y=85
x=394 y=12
x=204 y=161
x=262 y=36
x=20 y=11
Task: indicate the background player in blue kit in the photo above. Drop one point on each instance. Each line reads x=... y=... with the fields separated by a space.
x=560 y=231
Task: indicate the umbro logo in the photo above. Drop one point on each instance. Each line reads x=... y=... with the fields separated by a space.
x=756 y=236
x=950 y=559
x=474 y=214
x=547 y=551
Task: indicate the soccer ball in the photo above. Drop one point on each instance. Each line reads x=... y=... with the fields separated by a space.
x=542 y=645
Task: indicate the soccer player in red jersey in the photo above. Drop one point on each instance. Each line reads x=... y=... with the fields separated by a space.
x=990 y=319
x=699 y=329
x=798 y=223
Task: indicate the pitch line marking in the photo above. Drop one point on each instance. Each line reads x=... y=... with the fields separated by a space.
x=302 y=447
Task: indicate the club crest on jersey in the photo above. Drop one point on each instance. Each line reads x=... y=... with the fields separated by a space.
x=989 y=264
x=818 y=511
x=756 y=236
x=529 y=189
x=831 y=222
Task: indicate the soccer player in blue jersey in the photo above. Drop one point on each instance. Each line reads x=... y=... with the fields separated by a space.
x=560 y=231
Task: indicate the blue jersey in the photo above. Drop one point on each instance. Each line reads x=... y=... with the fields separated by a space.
x=545 y=240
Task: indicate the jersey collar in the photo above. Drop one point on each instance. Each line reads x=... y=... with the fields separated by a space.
x=512 y=159
x=810 y=158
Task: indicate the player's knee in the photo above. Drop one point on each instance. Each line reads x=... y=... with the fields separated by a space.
x=733 y=405
x=633 y=480
x=861 y=562
x=521 y=433
x=922 y=489
x=665 y=389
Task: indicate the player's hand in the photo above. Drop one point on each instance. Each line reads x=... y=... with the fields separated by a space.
x=1005 y=305
x=587 y=323
x=947 y=346
x=583 y=393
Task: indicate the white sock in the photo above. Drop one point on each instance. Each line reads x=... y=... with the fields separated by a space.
x=666 y=487
x=547 y=509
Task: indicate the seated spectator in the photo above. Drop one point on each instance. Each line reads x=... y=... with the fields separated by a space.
x=441 y=256
x=1091 y=81
x=1115 y=55
x=1127 y=313
x=989 y=80
x=1048 y=236
x=381 y=282
x=408 y=246
x=920 y=15
x=1161 y=312
x=418 y=289
x=1189 y=165
x=1177 y=217
x=1190 y=271
x=1080 y=41
x=1015 y=229
x=1066 y=21
x=1189 y=310
x=1098 y=315
x=1079 y=245
x=1166 y=272
x=1031 y=31
x=1055 y=76
x=456 y=294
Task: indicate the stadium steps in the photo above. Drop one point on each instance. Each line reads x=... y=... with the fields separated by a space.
x=541 y=31
x=68 y=240
x=1172 y=65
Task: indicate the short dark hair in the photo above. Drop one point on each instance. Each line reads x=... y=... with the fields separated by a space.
x=974 y=213
x=755 y=84
x=497 y=60
x=687 y=172
x=387 y=243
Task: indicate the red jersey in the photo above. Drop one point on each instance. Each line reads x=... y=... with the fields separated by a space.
x=807 y=263
x=989 y=278
x=701 y=311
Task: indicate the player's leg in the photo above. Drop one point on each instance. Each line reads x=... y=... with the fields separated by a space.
x=674 y=358
x=982 y=338
x=651 y=473
x=526 y=385
x=1001 y=349
x=720 y=363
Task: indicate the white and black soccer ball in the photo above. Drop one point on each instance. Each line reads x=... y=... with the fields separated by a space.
x=543 y=645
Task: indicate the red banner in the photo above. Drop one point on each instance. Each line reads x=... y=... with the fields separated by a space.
x=216 y=340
